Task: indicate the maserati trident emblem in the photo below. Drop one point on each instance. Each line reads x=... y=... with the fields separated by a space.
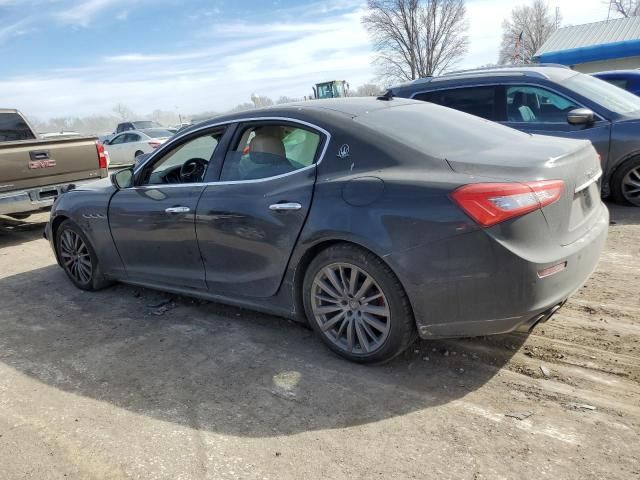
x=343 y=151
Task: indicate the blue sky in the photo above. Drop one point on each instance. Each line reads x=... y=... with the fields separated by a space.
x=62 y=57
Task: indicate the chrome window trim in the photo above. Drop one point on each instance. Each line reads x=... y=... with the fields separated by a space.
x=235 y=182
x=525 y=84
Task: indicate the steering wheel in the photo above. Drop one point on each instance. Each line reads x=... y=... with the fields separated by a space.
x=193 y=170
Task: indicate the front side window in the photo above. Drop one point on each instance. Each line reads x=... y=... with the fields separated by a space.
x=13 y=128
x=118 y=140
x=265 y=151
x=131 y=137
x=186 y=163
x=537 y=105
x=478 y=101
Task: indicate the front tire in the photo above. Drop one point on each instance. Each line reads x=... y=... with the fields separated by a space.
x=78 y=258
x=357 y=305
x=625 y=183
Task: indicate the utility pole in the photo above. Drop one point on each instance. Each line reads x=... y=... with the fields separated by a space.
x=558 y=17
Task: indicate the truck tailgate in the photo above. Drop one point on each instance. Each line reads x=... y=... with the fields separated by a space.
x=35 y=163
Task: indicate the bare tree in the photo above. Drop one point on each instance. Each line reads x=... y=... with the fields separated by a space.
x=285 y=99
x=526 y=31
x=626 y=8
x=123 y=112
x=259 y=101
x=366 y=90
x=416 y=38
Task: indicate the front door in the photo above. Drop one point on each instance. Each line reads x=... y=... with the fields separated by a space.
x=153 y=222
x=248 y=223
x=540 y=111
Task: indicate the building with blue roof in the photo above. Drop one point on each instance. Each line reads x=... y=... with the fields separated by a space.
x=594 y=47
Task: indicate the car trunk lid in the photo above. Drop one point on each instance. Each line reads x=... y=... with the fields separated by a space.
x=544 y=158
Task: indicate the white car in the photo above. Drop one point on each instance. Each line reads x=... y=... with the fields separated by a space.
x=126 y=146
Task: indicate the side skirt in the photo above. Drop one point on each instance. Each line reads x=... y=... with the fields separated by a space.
x=268 y=306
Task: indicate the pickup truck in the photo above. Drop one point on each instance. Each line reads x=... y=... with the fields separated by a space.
x=34 y=171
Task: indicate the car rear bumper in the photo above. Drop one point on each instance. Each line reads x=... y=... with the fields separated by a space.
x=472 y=285
x=34 y=199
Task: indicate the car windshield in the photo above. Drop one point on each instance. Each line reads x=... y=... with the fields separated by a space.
x=603 y=93
x=158 y=132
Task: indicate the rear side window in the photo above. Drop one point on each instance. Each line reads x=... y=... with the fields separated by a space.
x=13 y=128
x=265 y=151
x=478 y=101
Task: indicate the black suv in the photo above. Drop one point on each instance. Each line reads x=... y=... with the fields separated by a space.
x=549 y=100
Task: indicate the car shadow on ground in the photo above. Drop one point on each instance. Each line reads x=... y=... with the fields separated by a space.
x=623 y=214
x=220 y=368
x=15 y=232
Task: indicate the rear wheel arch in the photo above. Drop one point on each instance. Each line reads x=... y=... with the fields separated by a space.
x=615 y=176
x=312 y=252
x=403 y=330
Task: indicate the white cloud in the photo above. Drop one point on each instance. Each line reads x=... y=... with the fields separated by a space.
x=8 y=32
x=284 y=57
x=485 y=19
x=83 y=13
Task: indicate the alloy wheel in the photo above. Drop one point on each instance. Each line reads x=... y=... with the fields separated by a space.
x=631 y=186
x=350 y=308
x=76 y=257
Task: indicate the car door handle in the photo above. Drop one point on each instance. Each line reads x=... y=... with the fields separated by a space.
x=278 y=207
x=178 y=210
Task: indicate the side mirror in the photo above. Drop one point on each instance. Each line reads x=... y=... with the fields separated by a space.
x=581 y=116
x=122 y=178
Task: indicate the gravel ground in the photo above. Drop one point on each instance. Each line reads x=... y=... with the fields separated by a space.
x=113 y=385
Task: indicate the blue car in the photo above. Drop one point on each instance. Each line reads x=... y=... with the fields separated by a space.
x=626 y=79
x=549 y=100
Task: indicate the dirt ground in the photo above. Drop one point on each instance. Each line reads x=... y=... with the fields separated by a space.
x=115 y=385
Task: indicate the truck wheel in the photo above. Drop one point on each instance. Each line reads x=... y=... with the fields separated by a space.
x=357 y=305
x=78 y=258
x=625 y=184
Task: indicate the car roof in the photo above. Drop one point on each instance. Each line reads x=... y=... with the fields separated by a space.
x=555 y=73
x=633 y=73
x=312 y=110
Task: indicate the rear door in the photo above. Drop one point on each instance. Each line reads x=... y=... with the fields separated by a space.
x=249 y=221
x=482 y=101
x=538 y=110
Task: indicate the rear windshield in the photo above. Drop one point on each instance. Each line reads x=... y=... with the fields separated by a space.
x=603 y=93
x=145 y=124
x=157 y=132
x=439 y=131
x=13 y=127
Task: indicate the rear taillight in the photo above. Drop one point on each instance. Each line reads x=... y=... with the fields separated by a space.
x=154 y=143
x=103 y=161
x=492 y=203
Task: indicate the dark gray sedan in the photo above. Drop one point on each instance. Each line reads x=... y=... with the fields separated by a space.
x=374 y=220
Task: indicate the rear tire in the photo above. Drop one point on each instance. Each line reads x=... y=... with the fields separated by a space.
x=625 y=183
x=357 y=305
x=138 y=153
x=78 y=257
